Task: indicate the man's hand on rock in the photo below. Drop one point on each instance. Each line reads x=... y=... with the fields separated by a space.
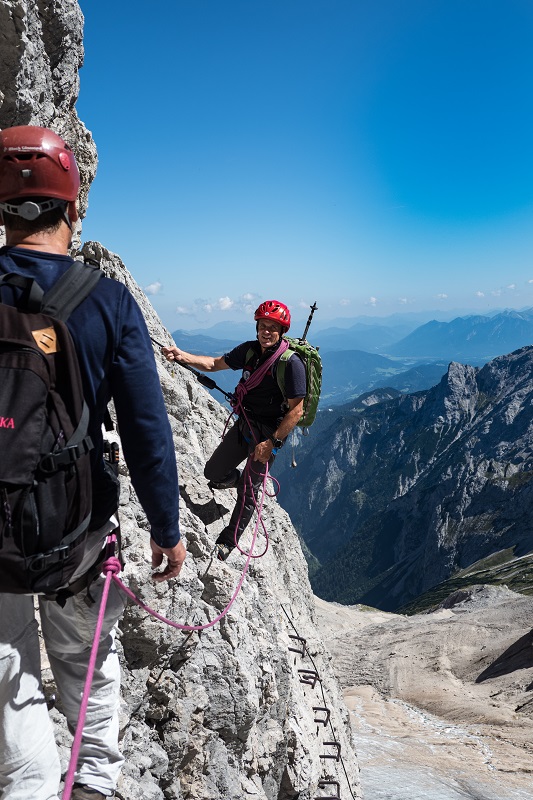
x=175 y=558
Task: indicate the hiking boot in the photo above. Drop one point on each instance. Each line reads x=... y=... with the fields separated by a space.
x=223 y=550
x=229 y=482
x=82 y=792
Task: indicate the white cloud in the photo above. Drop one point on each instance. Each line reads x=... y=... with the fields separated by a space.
x=442 y=296
x=480 y=294
x=530 y=281
x=183 y=310
x=225 y=303
x=303 y=304
x=496 y=292
x=512 y=286
x=248 y=302
x=344 y=302
x=153 y=288
x=403 y=300
x=372 y=301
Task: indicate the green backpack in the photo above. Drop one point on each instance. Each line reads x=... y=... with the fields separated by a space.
x=313 y=371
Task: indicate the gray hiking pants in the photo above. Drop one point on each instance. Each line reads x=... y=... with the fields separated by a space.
x=238 y=443
x=29 y=761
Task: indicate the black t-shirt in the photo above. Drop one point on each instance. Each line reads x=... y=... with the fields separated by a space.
x=266 y=401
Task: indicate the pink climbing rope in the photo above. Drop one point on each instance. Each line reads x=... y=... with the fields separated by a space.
x=248 y=483
x=257 y=376
x=240 y=392
x=112 y=567
x=223 y=613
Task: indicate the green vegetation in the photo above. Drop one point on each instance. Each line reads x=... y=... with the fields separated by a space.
x=498 y=569
x=313 y=564
x=357 y=498
x=483 y=401
x=519 y=479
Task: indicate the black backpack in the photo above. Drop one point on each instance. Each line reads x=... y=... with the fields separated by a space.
x=45 y=471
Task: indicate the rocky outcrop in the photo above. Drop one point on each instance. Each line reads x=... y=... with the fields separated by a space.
x=231 y=712
x=412 y=490
x=41 y=51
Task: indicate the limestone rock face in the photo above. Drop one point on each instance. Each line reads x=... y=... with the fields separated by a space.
x=41 y=51
x=222 y=714
x=231 y=712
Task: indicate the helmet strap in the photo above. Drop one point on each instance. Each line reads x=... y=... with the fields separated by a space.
x=30 y=210
x=67 y=218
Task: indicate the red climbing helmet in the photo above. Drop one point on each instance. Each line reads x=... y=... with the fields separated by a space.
x=36 y=162
x=273 y=309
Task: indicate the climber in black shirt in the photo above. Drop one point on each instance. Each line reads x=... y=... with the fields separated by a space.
x=265 y=419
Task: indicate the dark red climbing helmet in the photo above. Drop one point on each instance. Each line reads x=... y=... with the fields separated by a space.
x=273 y=309
x=36 y=162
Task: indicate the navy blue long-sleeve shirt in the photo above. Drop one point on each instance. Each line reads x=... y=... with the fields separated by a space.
x=116 y=361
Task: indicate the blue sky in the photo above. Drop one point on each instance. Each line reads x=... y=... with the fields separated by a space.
x=373 y=155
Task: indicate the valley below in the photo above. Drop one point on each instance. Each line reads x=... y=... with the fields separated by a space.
x=441 y=703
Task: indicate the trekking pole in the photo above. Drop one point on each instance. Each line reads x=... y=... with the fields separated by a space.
x=313 y=308
x=209 y=383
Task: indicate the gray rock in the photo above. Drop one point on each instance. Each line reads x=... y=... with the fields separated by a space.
x=41 y=51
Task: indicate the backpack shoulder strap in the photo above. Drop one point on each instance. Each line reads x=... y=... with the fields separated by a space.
x=70 y=290
x=281 y=366
x=32 y=294
x=250 y=353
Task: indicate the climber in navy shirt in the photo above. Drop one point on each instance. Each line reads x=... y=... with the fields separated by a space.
x=39 y=184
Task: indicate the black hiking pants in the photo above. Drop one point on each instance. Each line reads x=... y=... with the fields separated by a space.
x=238 y=443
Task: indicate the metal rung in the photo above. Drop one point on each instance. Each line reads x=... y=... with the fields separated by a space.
x=302 y=641
x=332 y=744
x=326 y=711
x=324 y=784
x=309 y=676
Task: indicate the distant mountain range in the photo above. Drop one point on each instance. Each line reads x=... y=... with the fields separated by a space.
x=361 y=337
x=231 y=329
x=349 y=373
x=466 y=338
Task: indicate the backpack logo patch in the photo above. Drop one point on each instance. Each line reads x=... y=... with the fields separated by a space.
x=46 y=340
x=7 y=422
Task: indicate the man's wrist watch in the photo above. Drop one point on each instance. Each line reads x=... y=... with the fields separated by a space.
x=276 y=442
